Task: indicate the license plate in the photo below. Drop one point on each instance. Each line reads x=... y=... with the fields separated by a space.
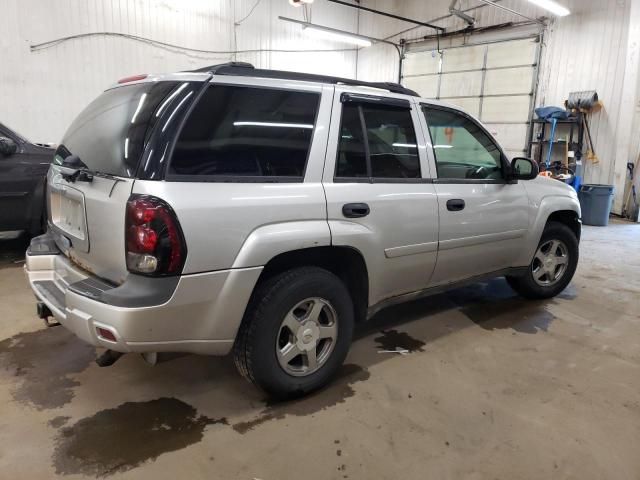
x=67 y=212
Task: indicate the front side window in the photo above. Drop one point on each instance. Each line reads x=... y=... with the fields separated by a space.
x=237 y=131
x=463 y=150
x=378 y=142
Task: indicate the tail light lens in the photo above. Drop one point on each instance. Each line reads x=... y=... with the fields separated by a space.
x=154 y=241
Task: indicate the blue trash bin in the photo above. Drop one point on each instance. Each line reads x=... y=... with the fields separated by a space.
x=596 y=202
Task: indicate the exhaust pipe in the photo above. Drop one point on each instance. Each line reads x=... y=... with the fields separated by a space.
x=43 y=311
x=108 y=358
x=45 y=314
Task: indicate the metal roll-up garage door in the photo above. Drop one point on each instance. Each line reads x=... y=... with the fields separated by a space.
x=494 y=81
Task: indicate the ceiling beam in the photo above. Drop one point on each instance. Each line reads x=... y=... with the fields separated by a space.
x=390 y=15
x=335 y=30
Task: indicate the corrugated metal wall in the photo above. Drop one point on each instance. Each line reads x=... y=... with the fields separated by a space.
x=41 y=91
x=587 y=51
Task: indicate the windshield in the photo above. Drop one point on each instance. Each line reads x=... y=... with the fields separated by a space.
x=110 y=133
x=5 y=131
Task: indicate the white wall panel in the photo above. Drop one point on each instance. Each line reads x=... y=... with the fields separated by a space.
x=587 y=51
x=426 y=86
x=41 y=91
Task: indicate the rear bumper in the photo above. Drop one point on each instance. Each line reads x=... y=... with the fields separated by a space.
x=197 y=313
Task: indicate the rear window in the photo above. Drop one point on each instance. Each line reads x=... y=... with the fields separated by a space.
x=238 y=132
x=110 y=133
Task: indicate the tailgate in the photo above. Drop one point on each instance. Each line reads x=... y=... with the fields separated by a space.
x=87 y=220
x=107 y=139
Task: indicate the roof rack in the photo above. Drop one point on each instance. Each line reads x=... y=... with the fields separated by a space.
x=247 y=70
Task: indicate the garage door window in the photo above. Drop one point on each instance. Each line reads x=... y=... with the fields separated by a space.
x=377 y=143
x=240 y=133
x=461 y=147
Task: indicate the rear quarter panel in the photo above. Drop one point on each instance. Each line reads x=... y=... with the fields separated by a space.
x=219 y=220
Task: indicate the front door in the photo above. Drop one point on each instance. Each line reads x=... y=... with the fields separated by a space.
x=16 y=184
x=380 y=199
x=483 y=218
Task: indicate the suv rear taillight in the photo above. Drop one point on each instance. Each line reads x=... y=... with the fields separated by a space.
x=153 y=238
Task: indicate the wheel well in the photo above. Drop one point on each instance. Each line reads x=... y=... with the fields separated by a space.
x=345 y=262
x=569 y=218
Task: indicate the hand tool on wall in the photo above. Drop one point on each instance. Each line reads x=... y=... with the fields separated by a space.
x=591 y=151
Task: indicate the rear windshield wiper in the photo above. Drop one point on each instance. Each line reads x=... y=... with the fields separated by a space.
x=73 y=169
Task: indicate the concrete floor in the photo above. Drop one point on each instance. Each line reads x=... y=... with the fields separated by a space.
x=494 y=387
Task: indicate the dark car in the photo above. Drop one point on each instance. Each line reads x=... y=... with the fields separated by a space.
x=23 y=170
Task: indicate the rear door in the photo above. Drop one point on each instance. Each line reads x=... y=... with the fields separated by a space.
x=380 y=199
x=108 y=138
x=483 y=218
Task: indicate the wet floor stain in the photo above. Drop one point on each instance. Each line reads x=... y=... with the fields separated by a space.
x=58 y=422
x=493 y=305
x=120 y=439
x=394 y=340
x=337 y=392
x=523 y=316
x=44 y=363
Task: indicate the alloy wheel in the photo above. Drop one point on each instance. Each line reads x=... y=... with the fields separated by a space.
x=307 y=336
x=550 y=263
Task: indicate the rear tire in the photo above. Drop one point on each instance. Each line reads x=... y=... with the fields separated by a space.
x=296 y=332
x=552 y=266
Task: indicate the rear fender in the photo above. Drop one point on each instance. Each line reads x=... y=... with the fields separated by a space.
x=268 y=241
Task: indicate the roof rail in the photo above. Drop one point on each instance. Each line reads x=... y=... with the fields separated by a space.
x=247 y=70
x=215 y=68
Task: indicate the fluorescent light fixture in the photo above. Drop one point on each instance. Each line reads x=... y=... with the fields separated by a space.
x=272 y=124
x=553 y=7
x=443 y=146
x=337 y=35
x=320 y=32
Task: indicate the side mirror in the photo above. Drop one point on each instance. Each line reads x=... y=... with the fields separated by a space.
x=7 y=146
x=524 y=169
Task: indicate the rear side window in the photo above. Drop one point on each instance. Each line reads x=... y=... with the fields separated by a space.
x=237 y=132
x=378 y=142
x=110 y=133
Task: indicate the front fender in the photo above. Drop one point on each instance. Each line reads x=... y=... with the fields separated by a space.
x=268 y=241
x=541 y=211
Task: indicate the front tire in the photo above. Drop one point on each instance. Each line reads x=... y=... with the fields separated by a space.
x=296 y=332
x=552 y=266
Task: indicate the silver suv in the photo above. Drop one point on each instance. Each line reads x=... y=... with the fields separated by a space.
x=265 y=213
